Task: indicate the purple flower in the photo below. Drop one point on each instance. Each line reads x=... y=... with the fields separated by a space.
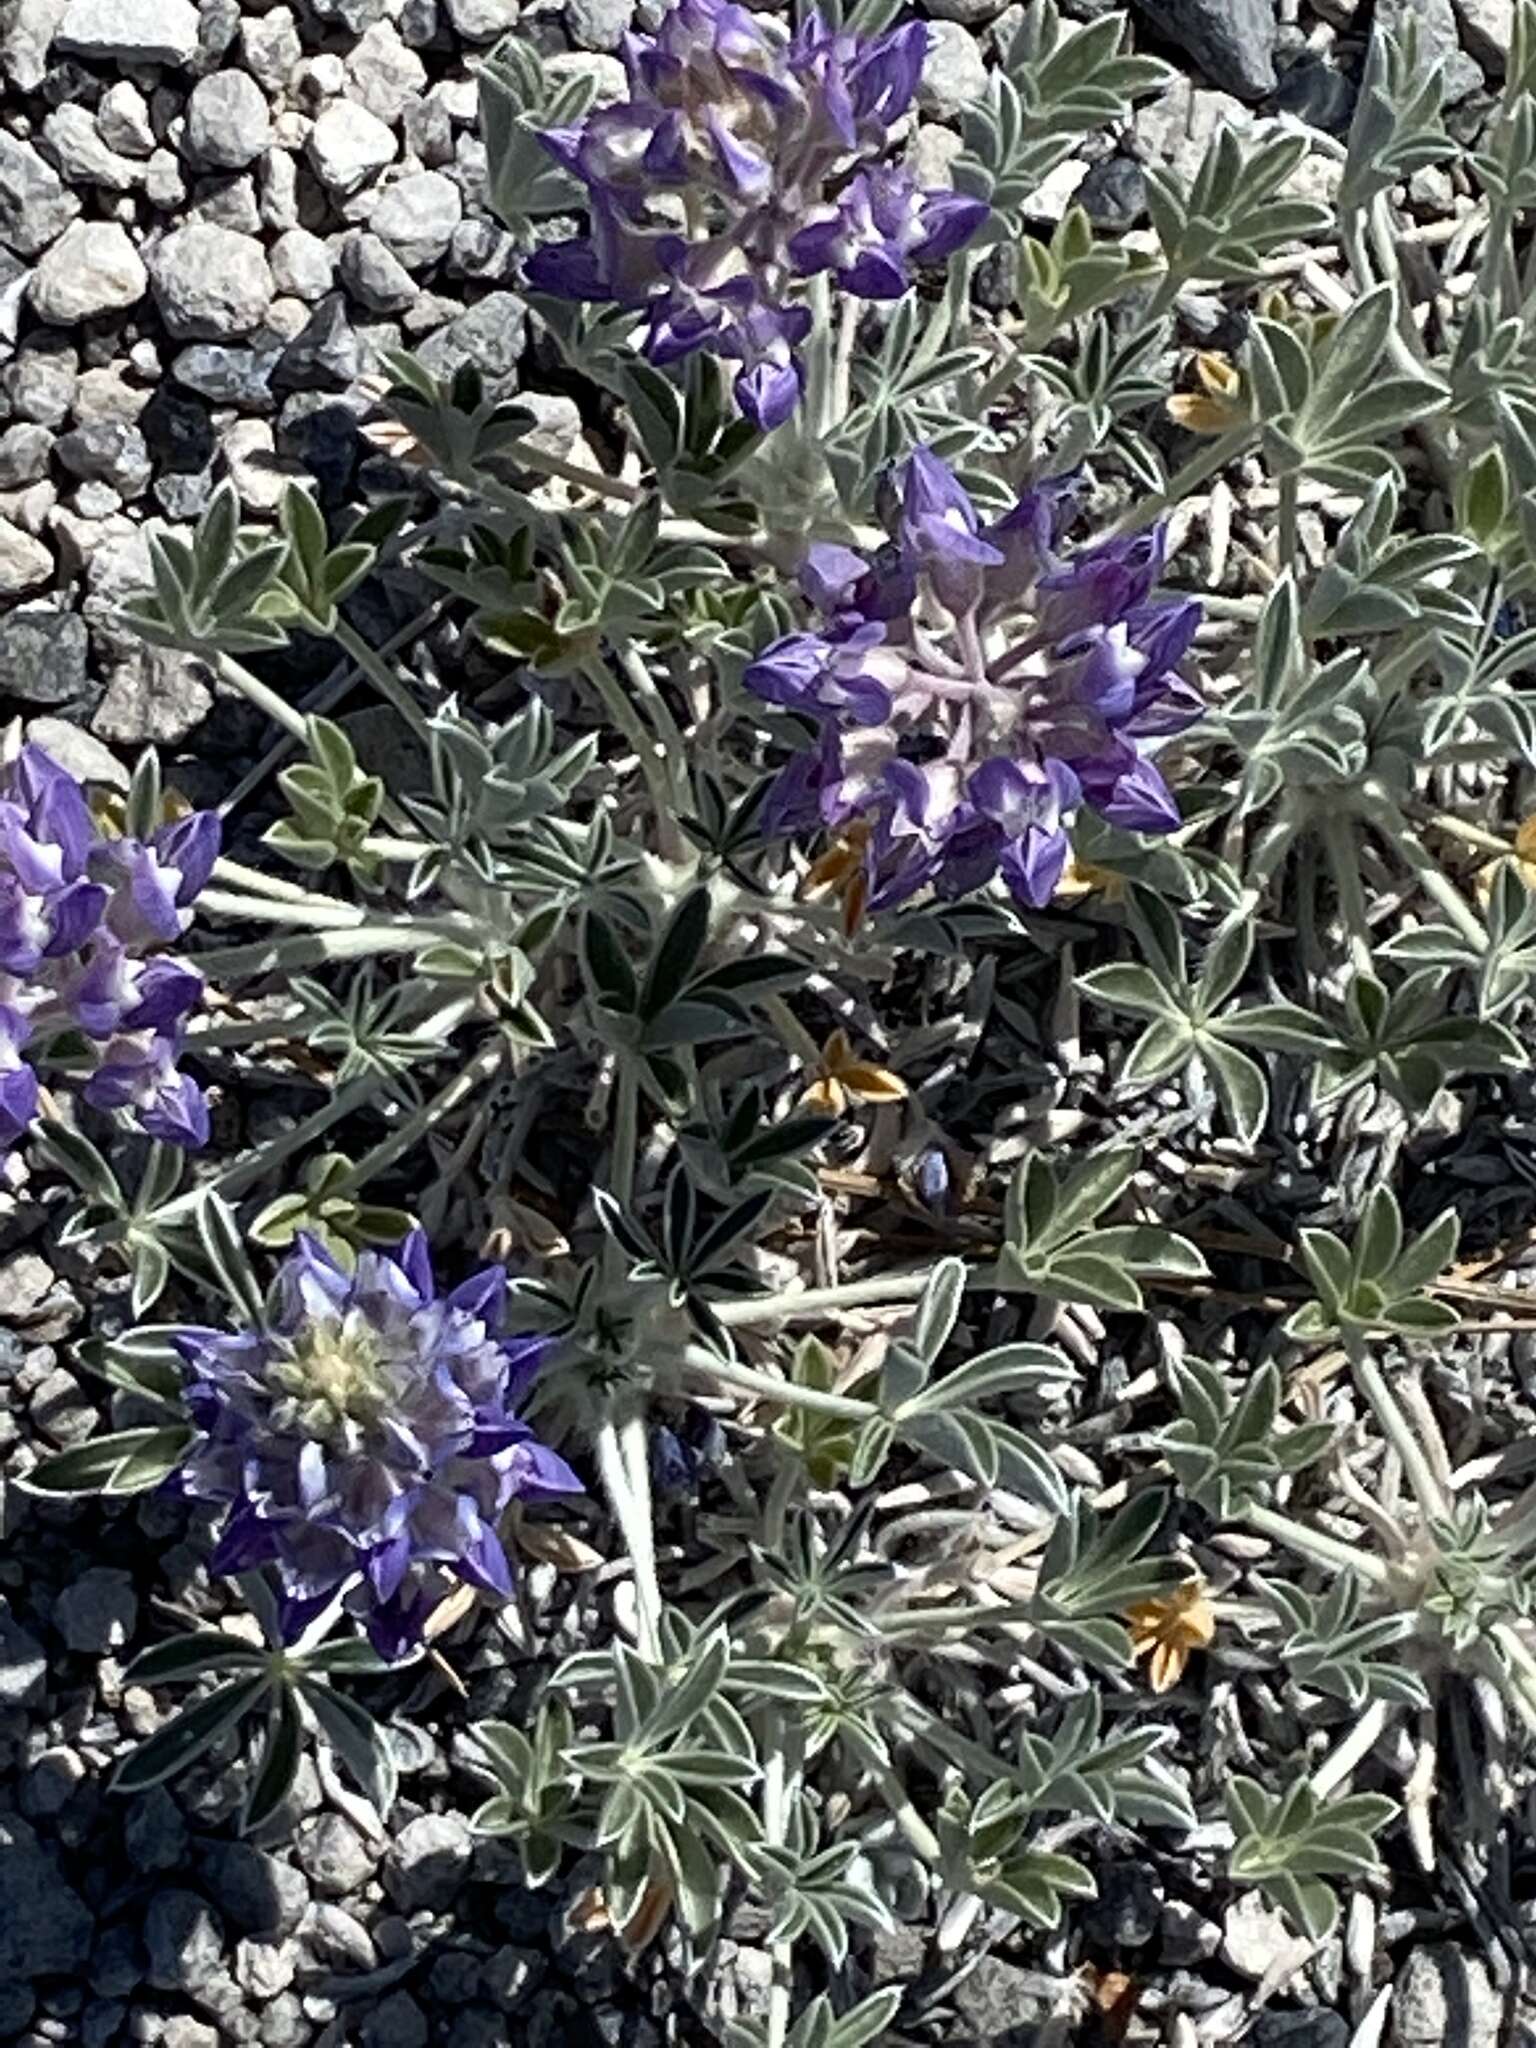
x=18 y=1083
x=965 y=729
x=366 y=1441
x=138 y=1071
x=742 y=156
x=941 y=534
x=154 y=883
x=881 y=225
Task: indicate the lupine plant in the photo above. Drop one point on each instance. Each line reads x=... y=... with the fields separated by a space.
x=928 y=1383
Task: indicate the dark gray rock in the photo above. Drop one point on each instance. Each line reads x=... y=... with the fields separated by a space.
x=1319 y=2029
x=1318 y=93
x=45 y=1931
x=227 y=374
x=178 y=432
x=23 y=1667
x=1114 y=192
x=511 y=1976
x=43 y=656
x=323 y=355
x=154 y=1832
x=17 y=2006
x=428 y=1862
x=395 y=2022
x=185 y=1942
x=999 y=2005
x=1127 y=1910
x=1233 y=41
x=108 y=452
x=98 y=1611
x=117 y=1962
x=24 y=452
x=256 y=1892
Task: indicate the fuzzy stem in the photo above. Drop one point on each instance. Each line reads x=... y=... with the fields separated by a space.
x=1288 y=542
x=256 y=692
x=652 y=766
x=633 y=1517
x=765 y=1386
x=1371 y=1381
x=801 y=1302
x=315 y=949
x=261 y=884
x=480 y=1069
x=381 y=675
x=1401 y=837
x=1315 y=1544
x=668 y=732
x=1351 y=1751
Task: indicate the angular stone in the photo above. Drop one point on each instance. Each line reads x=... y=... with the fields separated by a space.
x=416 y=217
x=210 y=283
x=25 y=564
x=45 y=1931
x=228 y=125
x=348 y=146
x=133 y=31
x=97 y=1612
x=1232 y=41
x=383 y=74
x=91 y=269
x=43 y=656
x=35 y=204
x=73 y=139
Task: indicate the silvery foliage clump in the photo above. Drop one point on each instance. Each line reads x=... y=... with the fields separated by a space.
x=869 y=671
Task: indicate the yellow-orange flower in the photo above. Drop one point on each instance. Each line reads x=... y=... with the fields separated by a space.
x=844 y=870
x=842 y=1078
x=1082 y=878
x=1219 y=405
x=1168 y=1628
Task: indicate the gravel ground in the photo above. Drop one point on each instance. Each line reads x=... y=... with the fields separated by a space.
x=212 y=222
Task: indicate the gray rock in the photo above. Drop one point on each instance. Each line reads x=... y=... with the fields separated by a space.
x=323 y=355
x=154 y=1834
x=26 y=34
x=24 y=452
x=25 y=564
x=512 y=1975
x=490 y=335
x=395 y=2022
x=182 y=2031
x=602 y=24
x=228 y=125
x=1256 y=1938
x=335 y=1856
x=1233 y=41
x=48 y=1786
x=1439 y=42
x=337 y=1938
x=210 y=283
x=428 y=1861
x=35 y=204
x=1317 y=92
x=954 y=75
x=164 y=186
x=271 y=47
x=1187 y=1936
x=185 y=1942
x=135 y=31
x=117 y=1962
x=1443 y=1995
x=61 y=1411
x=45 y=1931
x=222 y=201
x=101 y=2022
x=416 y=217
x=1114 y=193
x=228 y=375
x=482 y=21
x=256 y=1892
x=23 y=1667
x=1125 y=1913
x=75 y=144
x=85 y=758
x=91 y=269
x=1489 y=28
x=152 y=693
x=1316 y=2029
x=482 y=251
x=109 y=452
x=98 y=1611
x=122 y=120
x=284 y=2024
x=1000 y=2004
x=383 y=74
x=348 y=146
x=302 y=264
x=374 y=275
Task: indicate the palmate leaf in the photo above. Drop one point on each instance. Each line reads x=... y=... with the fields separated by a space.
x=1226 y=1449
x=1054 y=1246
x=1289 y=1842
x=131 y=1461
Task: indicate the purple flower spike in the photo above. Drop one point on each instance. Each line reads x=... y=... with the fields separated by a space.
x=366 y=1442
x=963 y=745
